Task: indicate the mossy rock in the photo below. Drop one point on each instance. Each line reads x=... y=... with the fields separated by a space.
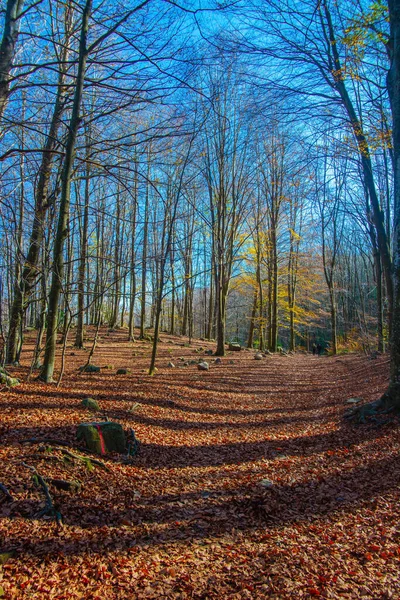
x=5 y=556
x=91 y=404
x=235 y=347
x=6 y=379
x=101 y=438
x=89 y=369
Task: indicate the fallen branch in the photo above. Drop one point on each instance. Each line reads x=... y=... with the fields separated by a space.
x=50 y=509
x=6 y=492
x=46 y=441
x=86 y=460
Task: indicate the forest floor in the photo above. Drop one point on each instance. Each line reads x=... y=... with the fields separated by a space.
x=249 y=482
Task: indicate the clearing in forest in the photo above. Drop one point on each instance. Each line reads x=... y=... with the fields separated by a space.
x=249 y=482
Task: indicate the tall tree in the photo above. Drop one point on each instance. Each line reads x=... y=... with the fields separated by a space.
x=394 y=95
x=12 y=20
x=64 y=209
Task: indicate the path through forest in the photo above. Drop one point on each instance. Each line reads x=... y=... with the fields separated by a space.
x=249 y=482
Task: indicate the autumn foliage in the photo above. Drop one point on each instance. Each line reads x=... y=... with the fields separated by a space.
x=249 y=482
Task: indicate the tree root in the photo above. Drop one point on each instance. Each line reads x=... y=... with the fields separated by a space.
x=87 y=460
x=133 y=444
x=371 y=411
x=50 y=509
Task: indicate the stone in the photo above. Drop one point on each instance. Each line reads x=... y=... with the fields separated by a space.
x=171 y=365
x=101 y=438
x=91 y=404
x=258 y=356
x=234 y=347
x=209 y=352
x=5 y=556
x=266 y=483
x=353 y=400
x=122 y=372
x=203 y=366
x=6 y=379
x=218 y=361
x=89 y=369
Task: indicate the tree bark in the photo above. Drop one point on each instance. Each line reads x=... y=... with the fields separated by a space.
x=83 y=259
x=63 y=218
x=394 y=95
x=26 y=283
x=7 y=48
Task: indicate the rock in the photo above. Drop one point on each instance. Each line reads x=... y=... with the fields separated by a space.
x=203 y=366
x=103 y=437
x=353 y=401
x=266 y=483
x=208 y=352
x=218 y=361
x=258 y=356
x=231 y=362
x=185 y=364
x=193 y=362
x=6 y=379
x=5 y=556
x=171 y=365
x=235 y=347
x=89 y=369
x=91 y=404
x=122 y=372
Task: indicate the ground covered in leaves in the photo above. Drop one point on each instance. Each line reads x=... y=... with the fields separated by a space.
x=249 y=482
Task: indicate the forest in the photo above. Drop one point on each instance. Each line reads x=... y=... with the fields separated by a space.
x=199 y=298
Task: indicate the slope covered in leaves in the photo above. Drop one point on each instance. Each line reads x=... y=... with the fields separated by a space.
x=249 y=482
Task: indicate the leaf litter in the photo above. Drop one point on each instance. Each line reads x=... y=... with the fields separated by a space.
x=249 y=482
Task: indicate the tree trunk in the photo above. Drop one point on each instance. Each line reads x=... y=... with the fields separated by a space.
x=63 y=218
x=7 y=48
x=333 y=318
x=83 y=259
x=252 y=320
x=394 y=95
x=144 y=255
x=366 y=164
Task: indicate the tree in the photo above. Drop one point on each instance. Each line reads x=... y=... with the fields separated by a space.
x=63 y=215
x=393 y=83
x=227 y=149
x=12 y=20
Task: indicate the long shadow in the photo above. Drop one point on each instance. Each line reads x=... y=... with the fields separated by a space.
x=156 y=402
x=177 y=425
x=125 y=522
x=154 y=456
